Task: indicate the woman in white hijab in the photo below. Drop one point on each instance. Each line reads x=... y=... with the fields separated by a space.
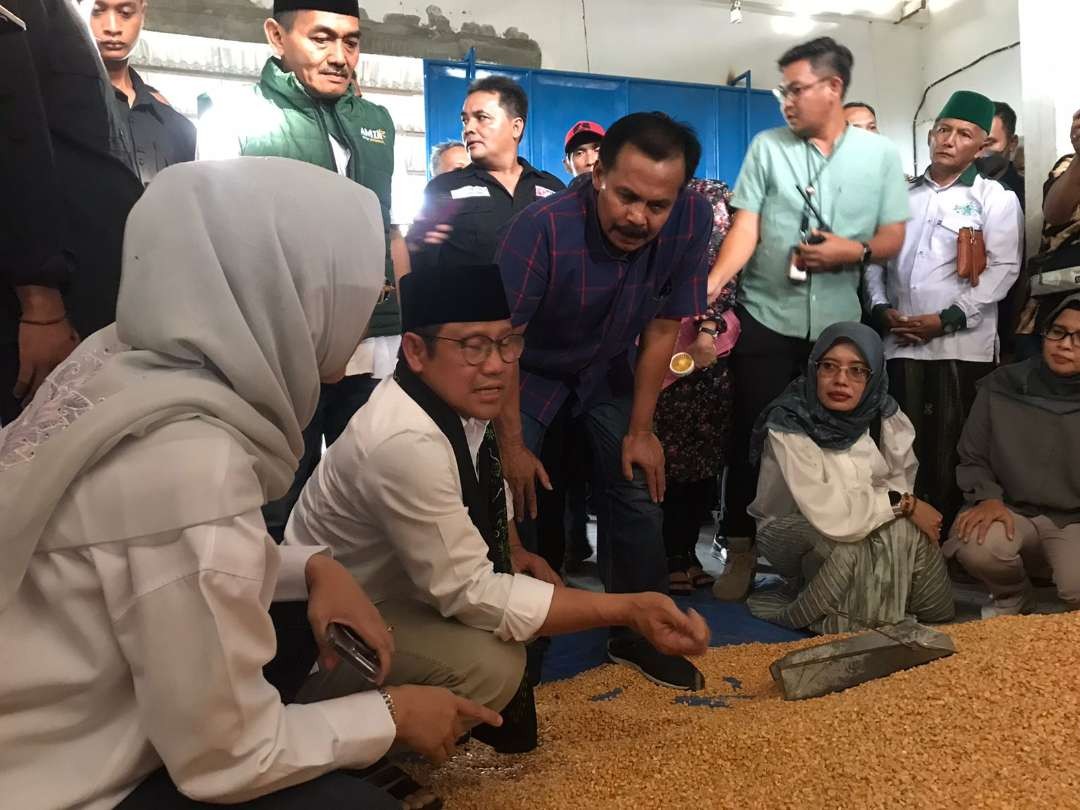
x=137 y=571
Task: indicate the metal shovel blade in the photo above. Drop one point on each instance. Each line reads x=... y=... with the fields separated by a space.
x=840 y=665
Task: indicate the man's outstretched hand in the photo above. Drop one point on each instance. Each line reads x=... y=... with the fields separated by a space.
x=670 y=630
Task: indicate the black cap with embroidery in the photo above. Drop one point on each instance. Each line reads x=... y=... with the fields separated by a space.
x=349 y=8
x=461 y=294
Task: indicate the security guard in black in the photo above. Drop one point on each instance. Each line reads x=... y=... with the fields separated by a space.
x=155 y=135
x=478 y=208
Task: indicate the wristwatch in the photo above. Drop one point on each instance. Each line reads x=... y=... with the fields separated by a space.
x=867 y=254
x=709 y=330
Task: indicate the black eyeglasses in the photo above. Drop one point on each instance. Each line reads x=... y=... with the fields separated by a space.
x=1059 y=333
x=478 y=348
x=785 y=91
x=830 y=368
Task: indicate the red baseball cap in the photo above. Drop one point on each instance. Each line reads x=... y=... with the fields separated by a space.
x=592 y=130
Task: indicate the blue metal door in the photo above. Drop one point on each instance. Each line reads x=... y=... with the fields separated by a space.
x=726 y=118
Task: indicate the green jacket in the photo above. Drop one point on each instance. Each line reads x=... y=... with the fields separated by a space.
x=293 y=125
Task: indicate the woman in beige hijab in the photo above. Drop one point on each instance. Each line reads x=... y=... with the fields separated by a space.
x=137 y=571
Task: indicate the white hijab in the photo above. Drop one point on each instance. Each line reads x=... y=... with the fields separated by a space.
x=244 y=282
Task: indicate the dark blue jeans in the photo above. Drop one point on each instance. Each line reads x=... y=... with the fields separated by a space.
x=337 y=404
x=630 y=547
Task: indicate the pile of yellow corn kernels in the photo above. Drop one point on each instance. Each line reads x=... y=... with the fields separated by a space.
x=995 y=726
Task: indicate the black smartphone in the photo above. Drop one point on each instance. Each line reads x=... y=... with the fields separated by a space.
x=355 y=650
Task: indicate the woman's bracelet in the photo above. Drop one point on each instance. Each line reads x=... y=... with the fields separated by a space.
x=906 y=506
x=389 y=701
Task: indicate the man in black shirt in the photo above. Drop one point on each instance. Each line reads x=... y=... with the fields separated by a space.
x=465 y=210
x=154 y=133
x=995 y=161
x=68 y=186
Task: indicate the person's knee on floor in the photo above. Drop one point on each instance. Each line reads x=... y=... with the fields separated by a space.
x=1067 y=581
x=989 y=558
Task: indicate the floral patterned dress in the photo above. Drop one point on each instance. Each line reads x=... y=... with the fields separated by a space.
x=694 y=414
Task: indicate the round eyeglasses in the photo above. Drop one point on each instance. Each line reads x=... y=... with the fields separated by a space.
x=476 y=349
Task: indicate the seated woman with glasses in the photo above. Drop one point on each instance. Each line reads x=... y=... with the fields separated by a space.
x=834 y=510
x=1019 y=473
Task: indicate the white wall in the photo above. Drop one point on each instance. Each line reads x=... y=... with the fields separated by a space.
x=886 y=55
x=959 y=32
x=693 y=41
x=1052 y=93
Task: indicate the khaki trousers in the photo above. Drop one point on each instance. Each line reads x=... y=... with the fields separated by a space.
x=1039 y=547
x=434 y=651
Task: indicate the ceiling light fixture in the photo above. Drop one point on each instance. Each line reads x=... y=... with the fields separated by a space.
x=736 y=11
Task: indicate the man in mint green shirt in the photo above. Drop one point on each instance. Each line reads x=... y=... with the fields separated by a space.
x=820 y=195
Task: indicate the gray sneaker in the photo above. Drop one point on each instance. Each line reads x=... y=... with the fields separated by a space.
x=1020 y=604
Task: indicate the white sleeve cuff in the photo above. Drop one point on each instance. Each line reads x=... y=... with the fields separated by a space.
x=883 y=510
x=526 y=609
x=291 y=583
x=362 y=725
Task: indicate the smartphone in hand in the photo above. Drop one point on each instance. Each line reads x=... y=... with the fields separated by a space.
x=355 y=650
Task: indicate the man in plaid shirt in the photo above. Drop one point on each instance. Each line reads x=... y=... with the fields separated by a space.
x=598 y=277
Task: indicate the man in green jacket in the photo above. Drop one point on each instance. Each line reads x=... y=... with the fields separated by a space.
x=305 y=106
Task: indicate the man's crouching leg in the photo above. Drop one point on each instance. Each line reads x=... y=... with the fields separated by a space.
x=434 y=651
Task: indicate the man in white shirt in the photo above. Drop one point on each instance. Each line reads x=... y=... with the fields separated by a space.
x=939 y=320
x=412 y=501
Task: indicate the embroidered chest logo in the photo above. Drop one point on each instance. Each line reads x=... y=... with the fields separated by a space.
x=968 y=209
x=373 y=135
x=543 y=192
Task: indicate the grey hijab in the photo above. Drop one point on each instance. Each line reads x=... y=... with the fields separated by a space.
x=243 y=283
x=799 y=410
x=1031 y=382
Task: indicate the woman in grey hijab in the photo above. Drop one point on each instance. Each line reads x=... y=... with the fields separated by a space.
x=834 y=510
x=137 y=570
x=1020 y=473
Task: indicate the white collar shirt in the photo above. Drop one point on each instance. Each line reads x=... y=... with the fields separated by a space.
x=387 y=499
x=923 y=279
x=844 y=494
x=122 y=657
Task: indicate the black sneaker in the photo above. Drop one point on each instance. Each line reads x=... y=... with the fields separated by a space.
x=671 y=671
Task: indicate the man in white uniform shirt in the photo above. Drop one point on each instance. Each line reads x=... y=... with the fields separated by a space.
x=412 y=501
x=940 y=324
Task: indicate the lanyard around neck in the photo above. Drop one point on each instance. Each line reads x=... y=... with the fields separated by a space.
x=810 y=190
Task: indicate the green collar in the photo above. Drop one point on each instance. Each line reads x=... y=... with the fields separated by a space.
x=286 y=85
x=966 y=178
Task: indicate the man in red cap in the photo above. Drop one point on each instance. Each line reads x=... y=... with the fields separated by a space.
x=582 y=147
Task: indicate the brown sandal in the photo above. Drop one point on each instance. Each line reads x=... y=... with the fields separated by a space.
x=679 y=584
x=698 y=577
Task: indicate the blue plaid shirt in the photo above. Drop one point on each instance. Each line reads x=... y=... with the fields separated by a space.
x=585 y=303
